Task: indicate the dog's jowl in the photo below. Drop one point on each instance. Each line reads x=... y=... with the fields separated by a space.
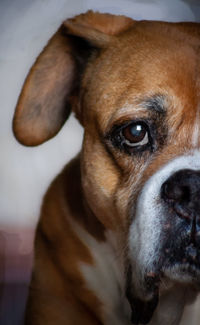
x=118 y=240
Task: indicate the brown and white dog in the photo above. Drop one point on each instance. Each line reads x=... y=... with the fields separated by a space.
x=119 y=235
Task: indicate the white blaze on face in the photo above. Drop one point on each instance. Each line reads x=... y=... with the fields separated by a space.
x=195 y=135
x=145 y=231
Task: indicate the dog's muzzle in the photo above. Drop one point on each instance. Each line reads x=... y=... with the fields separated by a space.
x=164 y=238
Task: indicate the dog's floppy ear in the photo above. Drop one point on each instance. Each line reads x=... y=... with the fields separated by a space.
x=52 y=84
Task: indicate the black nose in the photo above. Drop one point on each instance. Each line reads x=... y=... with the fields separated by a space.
x=181 y=191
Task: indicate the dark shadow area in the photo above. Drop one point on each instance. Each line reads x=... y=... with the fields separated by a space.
x=12 y=308
x=15 y=270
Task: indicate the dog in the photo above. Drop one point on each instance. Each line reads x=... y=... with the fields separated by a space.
x=118 y=239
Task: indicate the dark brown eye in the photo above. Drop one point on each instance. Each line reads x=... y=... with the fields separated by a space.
x=135 y=134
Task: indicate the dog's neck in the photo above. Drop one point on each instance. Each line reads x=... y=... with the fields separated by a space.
x=106 y=278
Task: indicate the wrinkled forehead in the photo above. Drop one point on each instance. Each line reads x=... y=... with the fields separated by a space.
x=152 y=60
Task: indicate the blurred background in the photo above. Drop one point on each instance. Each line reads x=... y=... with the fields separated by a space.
x=25 y=173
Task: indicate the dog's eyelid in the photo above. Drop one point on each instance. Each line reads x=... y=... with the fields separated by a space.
x=157 y=103
x=122 y=120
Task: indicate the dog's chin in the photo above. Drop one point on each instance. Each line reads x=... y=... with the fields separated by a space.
x=179 y=262
x=181 y=272
x=182 y=264
x=186 y=273
x=181 y=267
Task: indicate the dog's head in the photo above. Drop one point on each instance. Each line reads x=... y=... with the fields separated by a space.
x=135 y=88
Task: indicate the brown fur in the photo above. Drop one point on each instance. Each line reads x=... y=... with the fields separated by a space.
x=111 y=63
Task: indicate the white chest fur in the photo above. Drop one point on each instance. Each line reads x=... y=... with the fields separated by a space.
x=105 y=278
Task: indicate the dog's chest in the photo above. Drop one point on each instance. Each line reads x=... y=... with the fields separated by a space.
x=105 y=278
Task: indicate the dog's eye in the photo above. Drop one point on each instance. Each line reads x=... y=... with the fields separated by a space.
x=132 y=137
x=135 y=134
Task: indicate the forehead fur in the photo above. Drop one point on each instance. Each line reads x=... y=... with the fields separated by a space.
x=149 y=58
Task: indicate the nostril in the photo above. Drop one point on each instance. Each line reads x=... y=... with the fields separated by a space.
x=186 y=193
x=175 y=192
x=182 y=210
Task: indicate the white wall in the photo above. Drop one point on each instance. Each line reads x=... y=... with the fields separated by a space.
x=25 y=27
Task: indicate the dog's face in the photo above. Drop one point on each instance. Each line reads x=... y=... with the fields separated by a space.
x=142 y=177
x=138 y=100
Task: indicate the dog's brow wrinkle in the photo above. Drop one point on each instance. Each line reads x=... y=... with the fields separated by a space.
x=156 y=103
